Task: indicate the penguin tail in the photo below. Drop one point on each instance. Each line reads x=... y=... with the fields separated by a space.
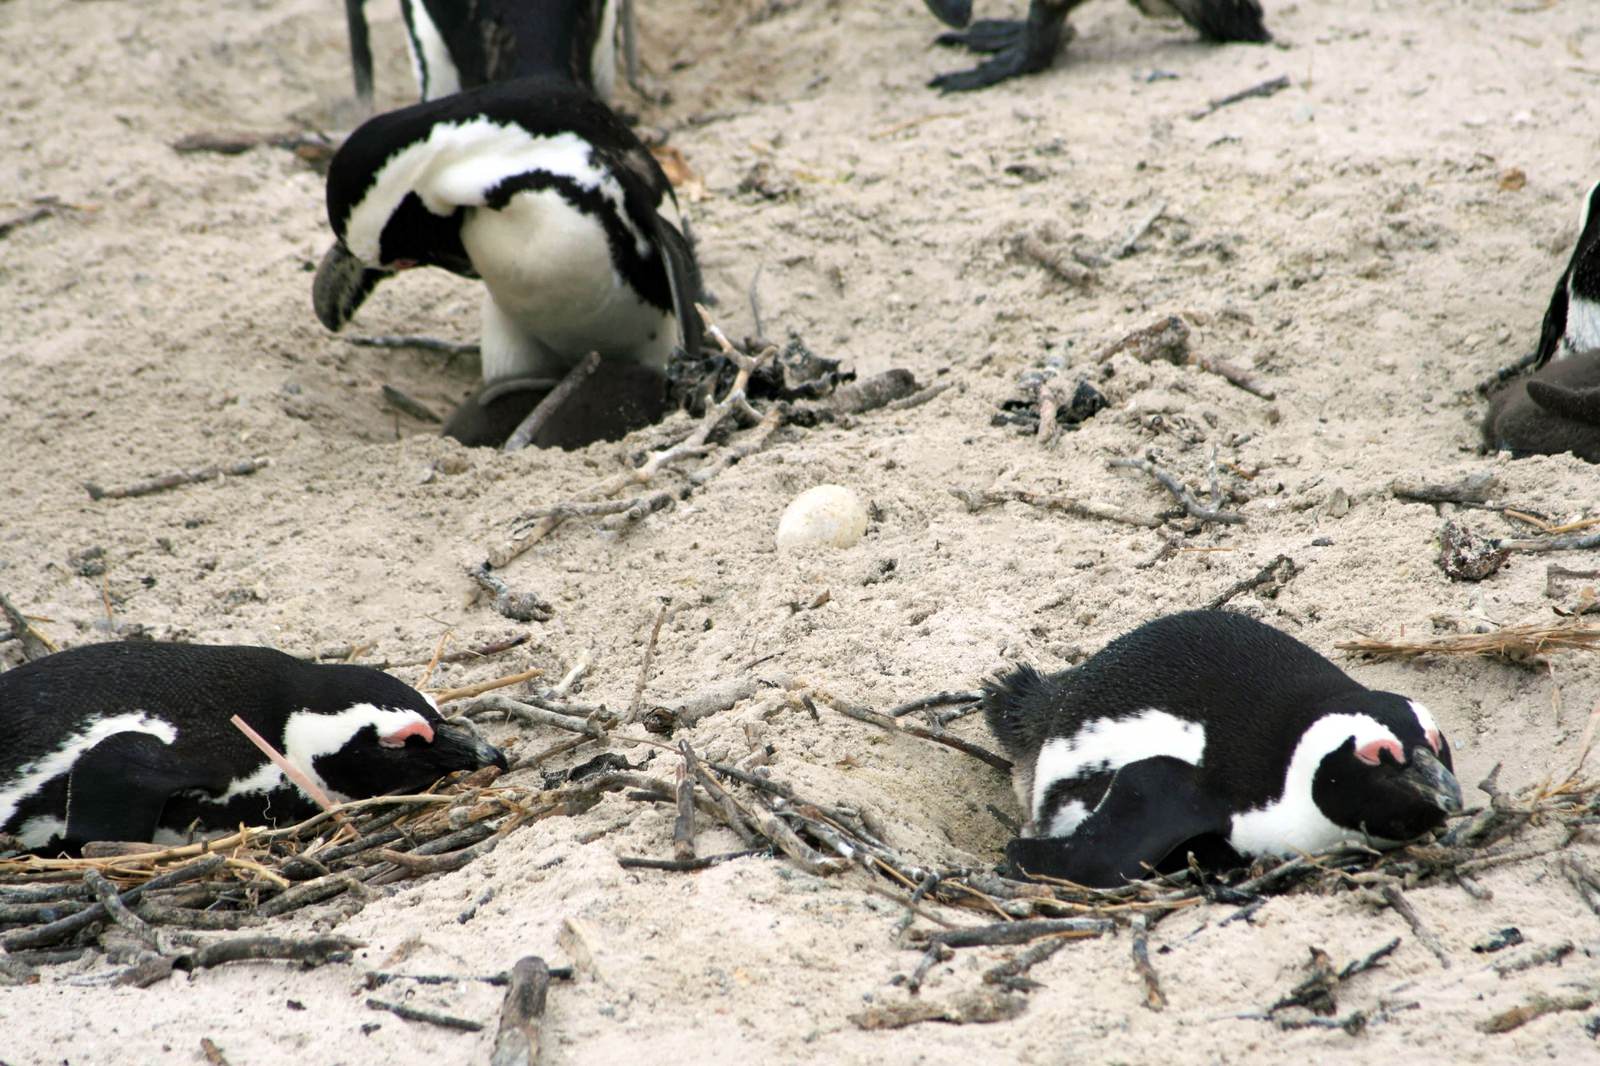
x=1017 y=706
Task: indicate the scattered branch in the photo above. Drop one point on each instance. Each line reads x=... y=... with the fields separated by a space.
x=546 y=408
x=1517 y=644
x=1266 y=88
x=1276 y=574
x=177 y=480
x=1191 y=506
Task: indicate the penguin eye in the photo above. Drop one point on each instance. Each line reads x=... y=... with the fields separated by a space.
x=418 y=728
x=1371 y=752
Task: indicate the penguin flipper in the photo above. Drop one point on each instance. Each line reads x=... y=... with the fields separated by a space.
x=117 y=789
x=1152 y=807
x=683 y=278
x=1554 y=326
x=341 y=285
x=1580 y=405
x=1024 y=47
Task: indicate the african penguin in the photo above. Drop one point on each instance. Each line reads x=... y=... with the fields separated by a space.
x=1572 y=321
x=132 y=741
x=1209 y=731
x=1030 y=45
x=1555 y=409
x=461 y=44
x=537 y=188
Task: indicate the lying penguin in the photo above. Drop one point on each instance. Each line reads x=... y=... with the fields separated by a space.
x=537 y=188
x=1030 y=45
x=1210 y=732
x=132 y=741
x=461 y=44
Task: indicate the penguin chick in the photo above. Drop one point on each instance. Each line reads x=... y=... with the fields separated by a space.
x=1029 y=46
x=1572 y=321
x=537 y=188
x=1556 y=409
x=1209 y=731
x=129 y=741
x=461 y=44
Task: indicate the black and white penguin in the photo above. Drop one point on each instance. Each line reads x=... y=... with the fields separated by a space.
x=1207 y=731
x=1030 y=45
x=537 y=188
x=132 y=741
x=461 y=44
x=1572 y=321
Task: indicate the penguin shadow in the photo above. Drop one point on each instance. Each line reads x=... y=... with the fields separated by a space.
x=1554 y=410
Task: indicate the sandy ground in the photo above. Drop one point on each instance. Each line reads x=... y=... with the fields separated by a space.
x=1358 y=241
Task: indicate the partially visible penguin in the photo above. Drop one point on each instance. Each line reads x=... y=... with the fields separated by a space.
x=126 y=741
x=461 y=44
x=537 y=188
x=1209 y=731
x=1030 y=45
x=1556 y=409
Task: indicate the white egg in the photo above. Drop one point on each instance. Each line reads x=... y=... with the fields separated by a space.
x=827 y=514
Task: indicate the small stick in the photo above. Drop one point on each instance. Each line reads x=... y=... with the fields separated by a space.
x=1472 y=490
x=806 y=857
x=177 y=480
x=972 y=1007
x=314 y=951
x=932 y=957
x=107 y=895
x=426 y=344
x=552 y=402
x=516 y=1041
x=1266 y=88
x=683 y=825
x=414 y=1014
x=883 y=721
x=644 y=668
x=918 y=398
x=704 y=862
x=976 y=501
x=1140 y=228
x=450 y=695
x=1016 y=968
x=1536 y=1007
x=1569 y=542
x=1190 y=505
x=1277 y=573
x=409 y=405
x=1583 y=879
x=937 y=699
x=517 y=606
x=34 y=644
x=290 y=770
x=1233 y=375
x=1019 y=932
x=1506 y=373
x=212 y=1052
x=529 y=714
x=1154 y=998
x=1404 y=908
x=453 y=860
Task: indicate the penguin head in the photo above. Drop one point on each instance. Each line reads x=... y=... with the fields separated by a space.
x=366 y=733
x=1387 y=771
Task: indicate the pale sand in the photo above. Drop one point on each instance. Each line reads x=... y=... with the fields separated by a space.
x=1348 y=238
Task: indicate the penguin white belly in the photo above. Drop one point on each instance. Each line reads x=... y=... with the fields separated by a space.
x=554 y=294
x=1583 y=328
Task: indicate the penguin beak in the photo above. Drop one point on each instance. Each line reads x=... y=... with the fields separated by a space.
x=460 y=748
x=1427 y=776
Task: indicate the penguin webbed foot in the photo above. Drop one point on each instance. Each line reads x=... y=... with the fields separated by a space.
x=1017 y=47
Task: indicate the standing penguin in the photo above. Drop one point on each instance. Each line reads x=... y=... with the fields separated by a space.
x=1030 y=45
x=1210 y=731
x=537 y=188
x=461 y=44
x=1572 y=321
x=125 y=741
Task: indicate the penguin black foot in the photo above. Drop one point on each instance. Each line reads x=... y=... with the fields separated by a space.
x=1225 y=20
x=1017 y=47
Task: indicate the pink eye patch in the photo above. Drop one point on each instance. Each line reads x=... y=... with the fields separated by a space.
x=1368 y=753
x=398 y=738
x=1433 y=740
